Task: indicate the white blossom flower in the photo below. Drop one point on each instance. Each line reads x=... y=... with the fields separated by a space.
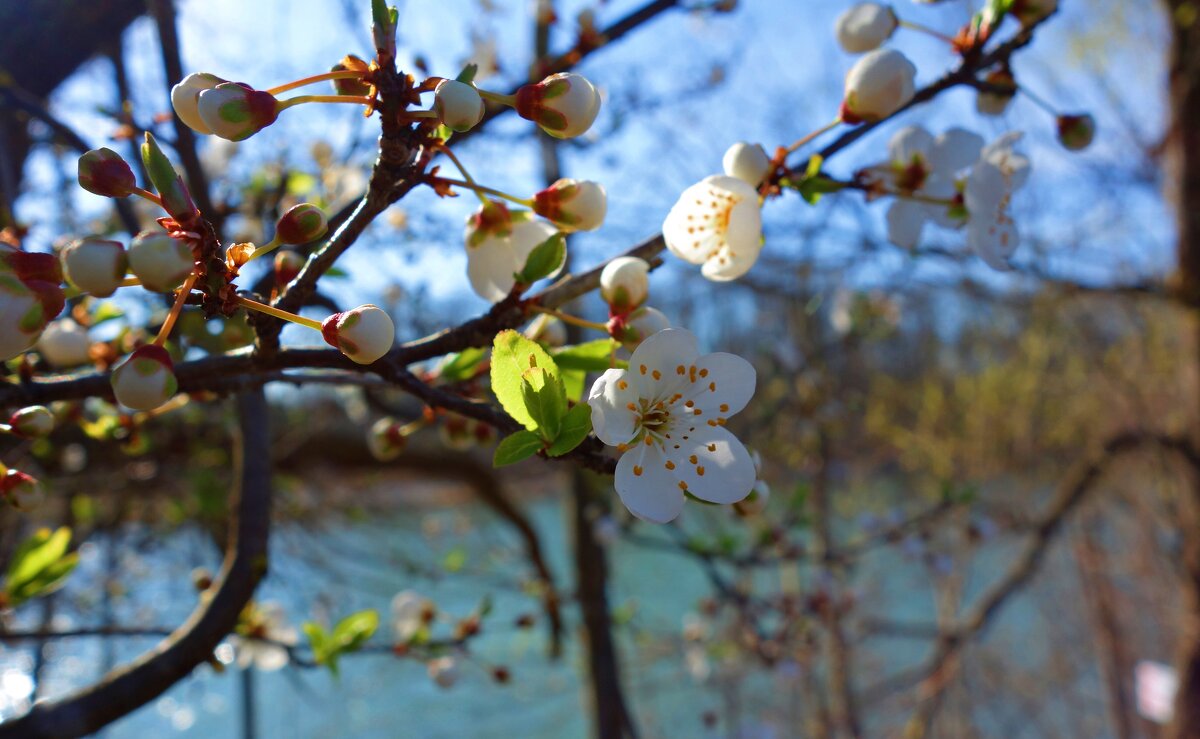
x=263 y=637
x=458 y=105
x=878 y=85
x=667 y=414
x=635 y=327
x=411 y=611
x=865 y=27
x=386 y=439
x=1000 y=171
x=64 y=343
x=625 y=283
x=747 y=162
x=22 y=491
x=235 y=112
x=717 y=223
x=498 y=243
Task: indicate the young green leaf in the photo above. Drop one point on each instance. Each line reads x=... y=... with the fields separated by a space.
x=545 y=401
x=592 y=356
x=545 y=259
x=354 y=630
x=39 y=564
x=512 y=354
x=459 y=367
x=516 y=447
x=468 y=73
x=176 y=199
x=575 y=427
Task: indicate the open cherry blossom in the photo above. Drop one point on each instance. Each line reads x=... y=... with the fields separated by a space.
x=667 y=415
x=717 y=223
x=1000 y=171
x=498 y=243
x=262 y=639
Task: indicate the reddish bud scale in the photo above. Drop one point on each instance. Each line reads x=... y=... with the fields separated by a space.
x=847 y=116
x=32 y=266
x=329 y=330
x=529 y=104
x=155 y=352
x=548 y=203
x=492 y=219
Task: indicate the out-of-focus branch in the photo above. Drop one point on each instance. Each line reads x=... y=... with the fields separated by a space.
x=128 y=688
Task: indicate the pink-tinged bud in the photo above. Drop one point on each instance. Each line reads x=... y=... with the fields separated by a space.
x=160 y=261
x=387 y=439
x=625 y=284
x=30 y=296
x=573 y=205
x=364 y=334
x=458 y=105
x=235 y=111
x=287 y=265
x=185 y=98
x=1003 y=89
x=638 y=326
x=104 y=172
x=492 y=219
x=95 y=266
x=564 y=104
x=747 y=162
x=64 y=343
x=1075 y=132
x=146 y=379
x=32 y=422
x=864 y=27
x=301 y=224
x=22 y=491
x=878 y=85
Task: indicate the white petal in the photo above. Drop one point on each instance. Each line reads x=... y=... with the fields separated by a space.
x=905 y=219
x=993 y=240
x=742 y=245
x=646 y=487
x=986 y=191
x=655 y=362
x=490 y=266
x=269 y=657
x=721 y=386
x=527 y=235
x=955 y=150
x=612 y=421
x=722 y=472
x=908 y=143
x=703 y=219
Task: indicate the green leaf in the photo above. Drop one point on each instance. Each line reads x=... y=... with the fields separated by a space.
x=814 y=165
x=812 y=188
x=468 y=73
x=176 y=199
x=545 y=259
x=106 y=311
x=455 y=559
x=512 y=354
x=573 y=383
x=575 y=427
x=443 y=132
x=354 y=630
x=593 y=356
x=545 y=401
x=323 y=647
x=516 y=447
x=32 y=558
x=461 y=366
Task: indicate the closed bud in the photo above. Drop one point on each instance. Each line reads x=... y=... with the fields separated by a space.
x=573 y=205
x=22 y=491
x=32 y=422
x=878 y=85
x=64 y=343
x=1075 y=132
x=458 y=105
x=364 y=334
x=95 y=266
x=995 y=101
x=483 y=433
x=455 y=433
x=30 y=296
x=747 y=162
x=104 y=172
x=176 y=199
x=236 y=112
x=564 y=105
x=865 y=27
x=301 y=224
x=443 y=671
x=386 y=439
x=185 y=98
x=625 y=284
x=146 y=379
x=287 y=265
x=638 y=326
x=160 y=261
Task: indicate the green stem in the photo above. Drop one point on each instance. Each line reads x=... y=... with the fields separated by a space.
x=926 y=30
x=277 y=313
x=495 y=97
x=804 y=140
x=344 y=74
x=267 y=248
x=568 y=318
x=356 y=99
x=466 y=175
x=527 y=202
x=1041 y=103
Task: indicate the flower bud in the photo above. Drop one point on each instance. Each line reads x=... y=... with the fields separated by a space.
x=547 y=331
x=301 y=224
x=573 y=205
x=1075 y=132
x=625 y=284
x=865 y=27
x=364 y=334
x=287 y=265
x=1032 y=11
x=104 y=172
x=22 y=491
x=235 y=111
x=455 y=433
x=483 y=433
x=30 y=295
x=1004 y=89
x=458 y=105
x=32 y=422
x=160 y=261
x=747 y=162
x=64 y=343
x=176 y=199
x=386 y=439
x=878 y=85
x=95 y=266
x=638 y=326
x=443 y=671
x=146 y=379
x=563 y=104
x=185 y=99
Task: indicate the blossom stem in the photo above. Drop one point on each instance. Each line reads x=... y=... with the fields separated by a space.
x=805 y=139
x=1041 y=103
x=495 y=97
x=277 y=313
x=343 y=74
x=418 y=114
x=926 y=30
x=147 y=195
x=267 y=248
x=527 y=202
x=568 y=318
x=175 y=403
x=356 y=99
x=176 y=309
x=922 y=198
x=466 y=175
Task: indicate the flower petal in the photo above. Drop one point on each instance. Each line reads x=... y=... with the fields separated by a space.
x=905 y=219
x=702 y=220
x=955 y=150
x=646 y=486
x=655 y=363
x=908 y=144
x=714 y=465
x=525 y=237
x=490 y=266
x=721 y=386
x=609 y=399
x=994 y=240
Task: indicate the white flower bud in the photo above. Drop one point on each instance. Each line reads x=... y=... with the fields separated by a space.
x=878 y=85
x=994 y=102
x=564 y=104
x=573 y=205
x=22 y=491
x=364 y=334
x=458 y=105
x=443 y=671
x=30 y=295
x=64 y=343
x=625 y=284
x=386 y=439
x=146 y=379
x=865 y=27
x=236 y=112
x=639 y=326
x=32 y=422
x=160 y=261
x=95 y=266
x=185 y=99
x=747 y=162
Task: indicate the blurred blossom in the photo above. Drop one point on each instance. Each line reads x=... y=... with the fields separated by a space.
x=1155 y=685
